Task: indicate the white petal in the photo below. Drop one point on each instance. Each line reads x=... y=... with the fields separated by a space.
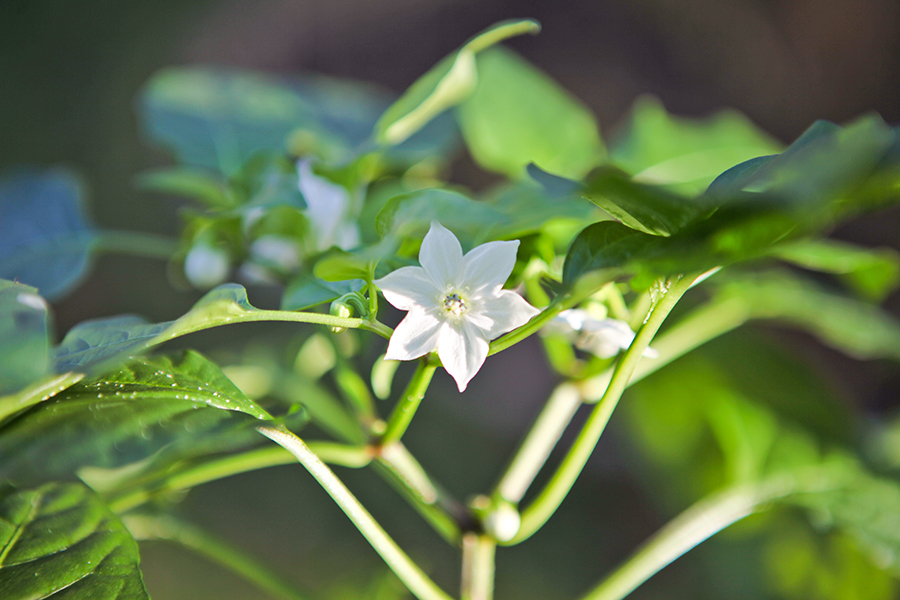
x=326 y=203
x=462 y=350
x=502 y=313
x=408 y=288
x=415 y=336
x=488 y=266
x=441 y=256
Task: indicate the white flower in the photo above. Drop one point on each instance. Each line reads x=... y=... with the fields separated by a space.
x=329 y=209
x=601 y=337
x=456 y=303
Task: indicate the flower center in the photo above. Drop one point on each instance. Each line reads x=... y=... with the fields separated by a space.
x=454 y=304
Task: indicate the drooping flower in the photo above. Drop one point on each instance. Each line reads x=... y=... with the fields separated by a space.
x=602 y=337
x=456 y=303
x=329 y=208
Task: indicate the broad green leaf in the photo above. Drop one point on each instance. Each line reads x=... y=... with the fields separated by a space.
x=872 y=273
x=517 y=115
x=685 y=154
x=647 y=208
x=218 y=118
x=44 y=235
x=102 y=343
x=147 y=406
x=305 y=291
x=447 y=84
x=857 y=328
x=188 y=182
x=528 y=208
x=410 y=215
x=24 y=338
x=61 y=541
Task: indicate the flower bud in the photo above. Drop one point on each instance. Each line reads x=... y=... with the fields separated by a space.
x=206 y=266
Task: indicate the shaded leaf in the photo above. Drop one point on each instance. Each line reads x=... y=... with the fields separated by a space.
x=61 y=541
x=517 y=115
x=305 y=291
x=187 y=182
x=44 y=236
x=606 y=246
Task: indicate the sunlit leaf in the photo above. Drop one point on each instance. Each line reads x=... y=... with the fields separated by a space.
x=517 y=115
x=127 y=415
x=685 y=154
x=61 y=541
x=44 y=235
x=444 y=86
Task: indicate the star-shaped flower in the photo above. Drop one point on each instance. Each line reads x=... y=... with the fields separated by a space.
x=456 y=303
x=601 y=337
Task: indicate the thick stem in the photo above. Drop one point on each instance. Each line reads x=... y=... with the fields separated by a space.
x=477 y=567
x=171 y=530
x=408 y=572
x=568 y=471
x=406 y=407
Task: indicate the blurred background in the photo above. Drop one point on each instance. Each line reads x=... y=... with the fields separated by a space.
x=70 y=72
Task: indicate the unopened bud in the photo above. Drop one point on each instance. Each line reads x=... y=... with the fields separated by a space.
x=206 y=266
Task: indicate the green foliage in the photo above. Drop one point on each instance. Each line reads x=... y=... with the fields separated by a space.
x=516 y=116
x=61 y=541
x=44 y=235
x=305 y=291
x=146 y=406
x=24 y=339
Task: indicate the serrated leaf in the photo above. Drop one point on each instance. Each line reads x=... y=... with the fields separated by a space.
x=45 y=238
x=871 y=272
x=445 y=85
x=148 y=405
x=651 y=209
x=24 y=337
x=305 y=291
x=517 y=115
x=685 y=154
x=61 y=541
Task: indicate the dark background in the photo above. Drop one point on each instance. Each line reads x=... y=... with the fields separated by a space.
x=70 y=71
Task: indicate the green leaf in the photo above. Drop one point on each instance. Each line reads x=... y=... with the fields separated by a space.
x=859 y=329
x=410 y=215
x=872 y=273
x=651 y=209
x=61 y=541
x=188 y=182
x=608 y=247
x=149 y=405
x=24 y=338
x=93 y=345
x=528 y=208
x=517 y=115
x=685 y=154
x=305 y=291
x=44 y=236
x=444 y=86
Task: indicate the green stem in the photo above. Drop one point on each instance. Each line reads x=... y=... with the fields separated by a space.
x=136 y=243
x=705 y=518
x=408 y=572
x=568 y=471
x=347 y=456
x=402 y=470
x=406 y=407
x=171 y=530
x=478 y=567
x=217 y=320
x=539 y=442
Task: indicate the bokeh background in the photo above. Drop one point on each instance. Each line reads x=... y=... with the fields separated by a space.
x=70 y=72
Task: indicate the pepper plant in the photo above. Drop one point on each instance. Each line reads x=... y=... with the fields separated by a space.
x=616 y=260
